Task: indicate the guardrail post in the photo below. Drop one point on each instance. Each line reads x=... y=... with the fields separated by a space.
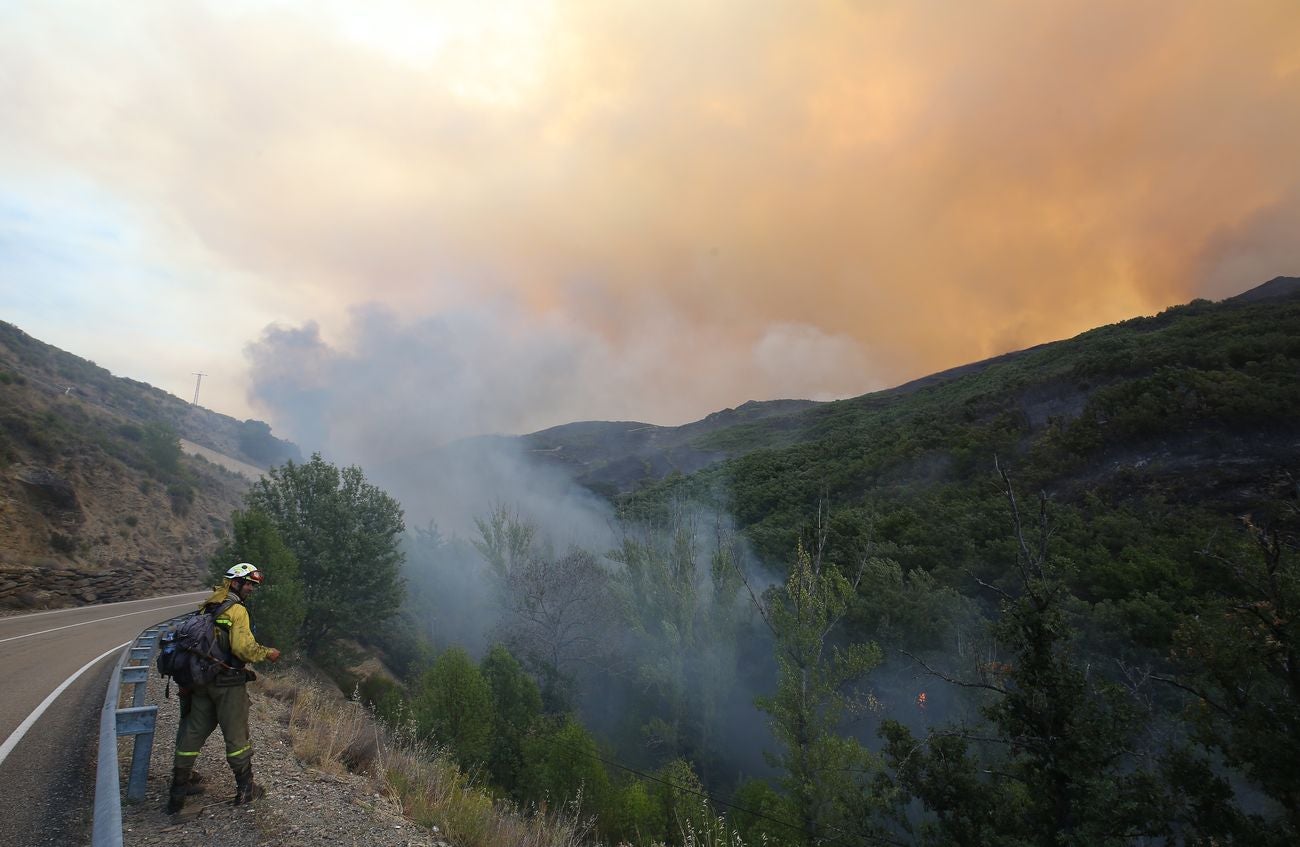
x=138 y=721
x=137 y=675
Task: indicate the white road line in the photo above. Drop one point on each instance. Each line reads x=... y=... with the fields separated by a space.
x=100 y=620
x=17 y=735
x=98 y=606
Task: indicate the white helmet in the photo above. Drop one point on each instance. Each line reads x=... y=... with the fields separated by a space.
x=244 y=570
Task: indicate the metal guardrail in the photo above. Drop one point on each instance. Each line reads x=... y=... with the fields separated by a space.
x=136 y=720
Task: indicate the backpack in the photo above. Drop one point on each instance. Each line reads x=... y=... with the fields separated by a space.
x=186 y=651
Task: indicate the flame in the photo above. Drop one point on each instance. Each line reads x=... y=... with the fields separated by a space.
x=921 y=701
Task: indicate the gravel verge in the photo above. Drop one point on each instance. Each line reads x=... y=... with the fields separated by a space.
x=303 y=806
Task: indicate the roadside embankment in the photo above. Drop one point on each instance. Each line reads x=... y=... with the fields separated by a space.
x=333 y=775
x=28 y=587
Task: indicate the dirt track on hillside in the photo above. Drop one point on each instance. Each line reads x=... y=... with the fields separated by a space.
x=232 y=465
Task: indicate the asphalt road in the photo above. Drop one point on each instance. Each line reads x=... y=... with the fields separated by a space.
x=47 y=776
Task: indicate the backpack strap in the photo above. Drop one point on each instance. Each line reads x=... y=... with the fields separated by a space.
x=218 y=611
x=225 y=605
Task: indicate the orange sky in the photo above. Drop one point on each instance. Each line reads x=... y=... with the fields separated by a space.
x=720 y=201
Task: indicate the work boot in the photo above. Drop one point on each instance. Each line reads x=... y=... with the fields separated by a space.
x=247 y=791
x=182 y=781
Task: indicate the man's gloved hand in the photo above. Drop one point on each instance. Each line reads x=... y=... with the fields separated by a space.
x=274 y=655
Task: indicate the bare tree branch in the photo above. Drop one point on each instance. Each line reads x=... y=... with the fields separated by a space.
x=1193 y=691
x=949 y=679
x=1000 y=592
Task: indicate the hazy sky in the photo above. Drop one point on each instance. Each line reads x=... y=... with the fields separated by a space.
x=501 y=216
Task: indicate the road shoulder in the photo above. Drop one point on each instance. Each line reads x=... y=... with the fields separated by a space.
x=303 y=806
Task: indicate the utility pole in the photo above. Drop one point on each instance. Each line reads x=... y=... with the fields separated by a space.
x=197 y=383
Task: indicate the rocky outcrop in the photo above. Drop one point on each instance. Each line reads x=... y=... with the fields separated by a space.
x=51 y=495
x=27 y=587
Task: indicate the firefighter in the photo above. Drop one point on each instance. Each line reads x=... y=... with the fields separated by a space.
x=224 y=703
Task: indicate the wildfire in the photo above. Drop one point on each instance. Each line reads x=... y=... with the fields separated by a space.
x=921 y=701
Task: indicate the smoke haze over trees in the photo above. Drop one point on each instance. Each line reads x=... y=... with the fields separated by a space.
x=429 y=228
x=843 y=627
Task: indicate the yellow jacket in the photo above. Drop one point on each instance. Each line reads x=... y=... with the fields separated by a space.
x=234 y=621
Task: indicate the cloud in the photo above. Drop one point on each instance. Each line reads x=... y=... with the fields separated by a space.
x=664 y=190
x=78 y=266
x=801 y=360
x=395 y=388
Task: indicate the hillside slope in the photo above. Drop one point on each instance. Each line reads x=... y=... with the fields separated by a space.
x=614 y=457
x=96 y=497
x=1198 y=407
x=1050 y=382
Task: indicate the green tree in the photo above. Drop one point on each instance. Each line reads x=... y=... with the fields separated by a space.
x=660 y=587
x=345 y=534
x=563 y=766
x=632 y=816
x=678 y=596
x=278 y=606
x=812 y=692
x=257 y=443
x=1240 y=657
x=1067 y=771
x=678 y=794
x=760 y=806
x=454 y=708
x=506 y=541
x=516 y=707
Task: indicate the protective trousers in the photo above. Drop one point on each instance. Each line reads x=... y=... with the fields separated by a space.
x=205 y=708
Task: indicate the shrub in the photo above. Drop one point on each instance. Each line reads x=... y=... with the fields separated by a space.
x=163 y=450
x=383 y=696
x=130 y=432
x=562 y=766
x=454 y=708
x=64 y=544
x=182 y=497
x=762 y=805
x=678 y=795
x=41 y=437
x=632 y=816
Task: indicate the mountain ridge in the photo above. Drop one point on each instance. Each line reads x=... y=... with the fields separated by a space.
x=662 y=451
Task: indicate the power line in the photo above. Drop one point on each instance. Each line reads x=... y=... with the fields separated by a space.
x=198 y=382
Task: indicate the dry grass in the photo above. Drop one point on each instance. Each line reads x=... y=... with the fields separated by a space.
x=715 y=832
x=282 y=686
x=331 y=734
x=334 y=735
